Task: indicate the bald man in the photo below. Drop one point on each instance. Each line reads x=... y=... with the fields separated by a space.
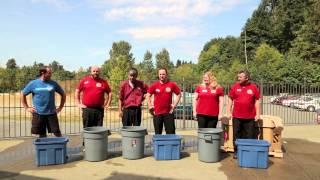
x=93 y=102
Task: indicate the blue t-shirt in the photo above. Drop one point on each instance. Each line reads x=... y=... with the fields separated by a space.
x=43 y=98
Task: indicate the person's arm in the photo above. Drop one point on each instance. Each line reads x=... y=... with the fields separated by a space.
x=194 y=104
x=174 y=105
x=120 y=98
x=229 y=107
x=257 y=106
x=77 y=96
x=221 y=103
x=120 y=107
x=25 y=104
x=108 y=100
x=62 y=101
x=150 y=104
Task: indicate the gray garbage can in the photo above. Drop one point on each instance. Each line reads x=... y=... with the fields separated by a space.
x=209 y=144
x=133 y=141
x=96 y=143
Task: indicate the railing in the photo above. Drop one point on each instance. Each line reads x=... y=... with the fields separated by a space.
x=16 y=122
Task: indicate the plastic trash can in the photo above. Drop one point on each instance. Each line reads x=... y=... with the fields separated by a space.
x=50 y=151
x=133 y=141
x=96 y=143
x=209 y=144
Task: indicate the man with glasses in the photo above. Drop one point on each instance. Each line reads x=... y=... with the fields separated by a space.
x=93 y=102
x=131 y=95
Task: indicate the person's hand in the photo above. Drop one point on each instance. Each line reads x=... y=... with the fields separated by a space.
x=106 y=106
x=229 y=116
x=194 y=115
x=151 y=111
x=58 y=109
x=31 y=109
x=80 y=105
x=219 y=117
x=172 y=108
x=257 y=118
x=120 y=114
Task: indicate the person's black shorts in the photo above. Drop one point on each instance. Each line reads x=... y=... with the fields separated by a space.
x=40 y=124
x=92 y=117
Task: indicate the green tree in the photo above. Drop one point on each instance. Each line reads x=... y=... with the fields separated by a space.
x=11 y=64
x=266 y=65
x=187 y=72
x=307 y=43
x=163 y=60
x=147 y=68
x=120 y=50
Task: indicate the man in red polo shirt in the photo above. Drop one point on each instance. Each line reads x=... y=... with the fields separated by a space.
x=93 y=103
x=131 y=95
x=244 y=98
x=162 y=106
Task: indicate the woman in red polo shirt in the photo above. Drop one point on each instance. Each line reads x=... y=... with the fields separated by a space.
x=208 y=102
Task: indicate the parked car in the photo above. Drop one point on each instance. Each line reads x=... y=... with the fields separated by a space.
x=290 y=101
x=308 y=104
x=178 y=112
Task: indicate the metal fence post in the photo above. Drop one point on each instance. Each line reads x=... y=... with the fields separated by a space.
x=261 y=96
x=184 y=103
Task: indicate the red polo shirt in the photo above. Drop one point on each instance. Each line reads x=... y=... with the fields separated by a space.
x=208 y=100
x=93 y=91
x=163 y=96
x=244 y=98
x=132 y=97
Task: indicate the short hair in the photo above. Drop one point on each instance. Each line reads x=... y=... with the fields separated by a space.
x=245 y=72
x=133 y=70
x=165 y=69
x=43 y=70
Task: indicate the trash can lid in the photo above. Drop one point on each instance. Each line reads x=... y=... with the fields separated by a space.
x=95 y=129
x=210 y=130
x=133 y=128
x=50 y=140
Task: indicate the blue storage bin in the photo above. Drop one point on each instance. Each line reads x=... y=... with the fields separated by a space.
x=49 y=151
x=252 y=153
x=166 y=147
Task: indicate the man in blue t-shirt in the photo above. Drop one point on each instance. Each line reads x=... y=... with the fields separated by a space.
x=44 y=111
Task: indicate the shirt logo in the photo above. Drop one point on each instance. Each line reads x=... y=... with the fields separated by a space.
x=239 y=90
x=158 y=90
x=48 y=88
x=213 y=91
x=98 y=84
x=168 y=89
x=204 y=90
x=249 y=91
x=86 y=82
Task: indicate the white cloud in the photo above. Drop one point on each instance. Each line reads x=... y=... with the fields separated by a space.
x=60 y=4
x=168 y=9
x=156 y=32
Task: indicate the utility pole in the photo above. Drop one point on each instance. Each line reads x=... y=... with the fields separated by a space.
x=245 y=47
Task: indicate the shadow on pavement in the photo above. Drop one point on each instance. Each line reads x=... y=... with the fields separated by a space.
x=301 y=161
x=12 y=175
x=124 y=176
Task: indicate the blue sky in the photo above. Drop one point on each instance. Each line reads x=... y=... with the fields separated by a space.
x=80 y=33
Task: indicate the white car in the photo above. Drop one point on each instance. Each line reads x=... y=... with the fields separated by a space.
x=291 y=101
x=310 y=104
